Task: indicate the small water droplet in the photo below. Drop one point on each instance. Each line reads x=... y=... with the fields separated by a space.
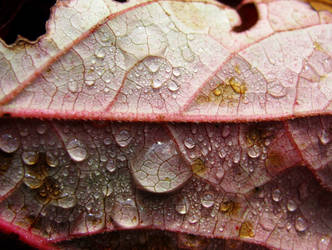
x=76 y=150
x=222 y=153
x=72 y=86
x=176 y=72
x=68 y=201
x=324 y=137
x=276 y=195
x=153 y=63
x=30 y=158
x=254 y=151
x=156 y=83
x=291 y=205
x=110 y=166
x=300 y=224
x=194 y=218
x=41 y=129
x=189 y=143
x=236 y=158
x=89 y=83
x=51 y=160
x=172 y=86
x=9 y=143
x=100 y=53
x=107 y=141
x=220 y=173
x=123 y=138
x=207 y=199
x=182 y=205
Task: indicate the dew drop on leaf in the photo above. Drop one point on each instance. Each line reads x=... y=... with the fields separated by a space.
x=30 y=157
x=123 y=138
x=9 y=143
x=291 y=205
x=182 y=205
x=276 y=195
x=300 y=224
x=207 y=199
x=189 y=143
x=76 y=150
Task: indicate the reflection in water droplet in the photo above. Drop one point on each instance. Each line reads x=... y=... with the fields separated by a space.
x=9 y=143
x=76 y=150
x=300 y=224
x=276 y=195
x=182 y=205
x=189 y=143
x=123 y=138
x=30 y=158
x=254 y=151
x=291 y=205
x=207 y=200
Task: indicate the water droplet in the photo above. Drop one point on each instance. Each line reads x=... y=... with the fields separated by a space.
x=72 y=86
x=159 y=168
x=176 y=72
x=100 y=53
x=172 y=86
x=300 y=224
x=67 y=202
x=291 y=205
x=41 y=129
x=237 y=157
x=9 y=143
x=324 y=137
x=182 y=205
x=220 y=173
x=110 y=166
x=277 y=90
x=51 y=160
x=76 y=150
x=156 y=83
x=187 y=54
x=276 y=195
x=194 y=218
x=124 y=213
x=189 y=143
x=222 y=153
x=89 y=83
x=123 y=138
x=207 y=199
x=107 y=141
x=30 y=158
x=153 y=63
x=254 y=151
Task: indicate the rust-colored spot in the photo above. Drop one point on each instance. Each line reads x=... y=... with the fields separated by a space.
x=274 y=162
x=246 y=230
x=237 y=86
x=229 y=207
x=198 y=167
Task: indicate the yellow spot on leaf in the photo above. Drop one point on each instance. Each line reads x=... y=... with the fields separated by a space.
x=198 y=167
x=238 y=87
x=246 y=230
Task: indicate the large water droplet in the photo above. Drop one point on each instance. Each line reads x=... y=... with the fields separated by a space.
x=159 y=168
x=30 y=158
x=189 y=143
x=9 y=143
x=182 y=205
x=276 y=195
x=76 y=150
x=207 y=199
x=300 y=224
x=124 y=213
x=123 y=138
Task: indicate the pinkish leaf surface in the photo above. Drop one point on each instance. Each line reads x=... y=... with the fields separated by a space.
x=77 y=184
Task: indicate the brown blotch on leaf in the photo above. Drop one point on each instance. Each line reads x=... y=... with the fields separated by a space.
x=246 y=230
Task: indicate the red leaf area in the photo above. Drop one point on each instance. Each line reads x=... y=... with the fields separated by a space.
x=246 y=175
